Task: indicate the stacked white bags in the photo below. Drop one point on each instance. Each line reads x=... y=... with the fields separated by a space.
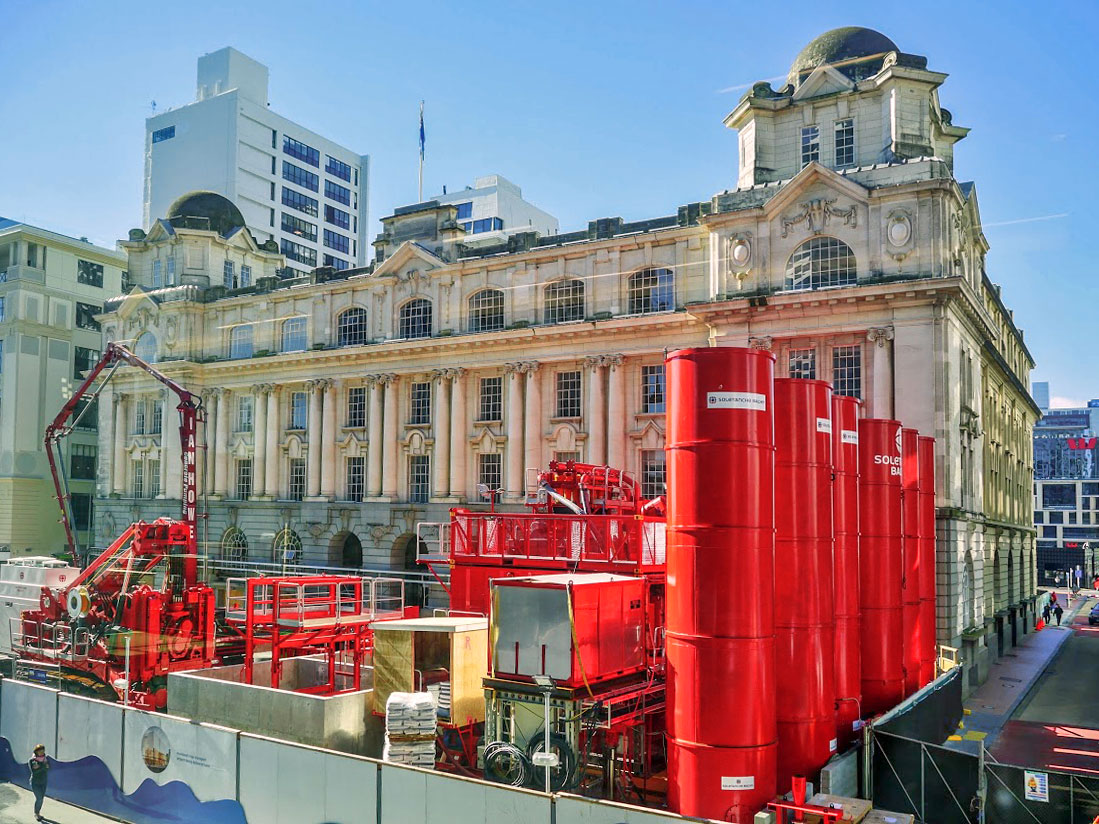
x=410 y=729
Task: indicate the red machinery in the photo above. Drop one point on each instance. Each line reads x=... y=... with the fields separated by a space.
x=910 y=582
x=804 y=612
x=721 y=547
x=881 y=564
x=927 y=559
x=137 y=611
x=583 y=518
x=845 y=564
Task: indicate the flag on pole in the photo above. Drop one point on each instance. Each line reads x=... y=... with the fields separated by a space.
x=421 y=130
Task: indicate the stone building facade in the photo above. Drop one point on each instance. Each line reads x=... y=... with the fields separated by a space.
x=346 y=407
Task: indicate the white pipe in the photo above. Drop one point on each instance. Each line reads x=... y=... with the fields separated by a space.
x=562 y=500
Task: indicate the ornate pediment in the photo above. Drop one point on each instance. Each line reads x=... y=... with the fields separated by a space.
x=816 y=214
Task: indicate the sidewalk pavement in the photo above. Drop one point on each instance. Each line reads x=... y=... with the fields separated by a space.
x=17 y=807
x=1010 y=678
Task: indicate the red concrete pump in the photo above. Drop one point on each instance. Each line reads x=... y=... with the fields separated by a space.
x=137 y=611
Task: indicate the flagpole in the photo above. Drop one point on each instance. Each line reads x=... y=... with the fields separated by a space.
x=420 y=199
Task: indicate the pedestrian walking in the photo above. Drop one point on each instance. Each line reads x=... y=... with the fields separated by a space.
x=40 y=769
x=1045 y=613
x=1058 y=612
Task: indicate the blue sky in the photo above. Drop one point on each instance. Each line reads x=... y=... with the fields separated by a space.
x=595 y=109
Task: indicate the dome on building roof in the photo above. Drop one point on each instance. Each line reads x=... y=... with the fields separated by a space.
x=854 y=51
x=205 y=210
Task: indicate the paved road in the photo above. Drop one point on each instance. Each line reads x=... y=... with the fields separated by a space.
x=17 y=807
x=1058 y=723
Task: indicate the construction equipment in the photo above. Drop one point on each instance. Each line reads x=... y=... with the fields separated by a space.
x=138 y=611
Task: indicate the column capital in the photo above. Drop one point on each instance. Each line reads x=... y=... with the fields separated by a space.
x=613 y=361
x=513 y=368
x=455 y=373
x=762 y=342
x=319 y=384
x=262 y=388
x=529 y=367
x=593 y=361
x=880 y=334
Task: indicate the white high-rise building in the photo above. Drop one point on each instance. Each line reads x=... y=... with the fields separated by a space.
x=302 y=190
x=493 y=208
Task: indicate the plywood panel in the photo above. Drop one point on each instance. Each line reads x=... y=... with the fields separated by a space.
x=469 y=664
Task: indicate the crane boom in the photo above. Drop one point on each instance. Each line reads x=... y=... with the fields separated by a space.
x=190 y=412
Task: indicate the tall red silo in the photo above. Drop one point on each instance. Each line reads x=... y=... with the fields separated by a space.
x=720 y=595
x=845 y=563
x=881 y=564
x=927 y=559
x=910 y=583
x=804 y=616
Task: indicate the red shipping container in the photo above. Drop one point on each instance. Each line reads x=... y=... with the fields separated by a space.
x=927 y=560
x=910 y=583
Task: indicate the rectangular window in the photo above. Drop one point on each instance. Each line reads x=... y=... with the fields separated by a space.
x=491 y=403
x=158 y=278
x=87 y=413
x=229 y=275
x=82 y=510
x=167 y=133
x=83 y=360
x=85 y=315
x=565 y=457
x=82 y=458
x=300 y=177
x=652 y=388
x=338 y=168
x=337 y=217
x=293 y=335
x=88 y=273
x=845 y=143
x=244 y=478
x=354 y=479
x=339 y=264
x=301 y=228
x=156 y=417
x=297 y=200
x=302 y=254
x=1090 y=488
x=419 y=413
x=1057 y=517
x=568 y=395
x=2 y=304
x=465 y=210
x=139 y=418
x=336 y=192
x=810 y=145
x=170 y=278
x=488 y=224
x=419 y=474
x=1058 y=496
x=245 y=276
x=296 y=486
x=489 y=471
x=153 y=473
x=334 y=240
x=245 y=413
x=299 y=410
x=653 y=473
x=138 y=476
x=803 y=363
x=847 y=370
x=356 y=407
x=304 y=153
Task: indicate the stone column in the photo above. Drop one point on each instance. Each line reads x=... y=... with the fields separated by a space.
x=313 y=463
x=121 y=436
x=513 y=483
x=259 y=441
x=616 y=412
x=374 y=445
x=597 y=421
x=271 y=437
x=532 y=430
x=389 y=436
x=458 y=439
x=328 y=441
x=221 y=444
x=204 y=456
x=882 y=371
x=440 y=457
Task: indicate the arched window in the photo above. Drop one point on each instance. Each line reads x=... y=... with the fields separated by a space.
x=351 y=327
x=145 y=347
x=821 y=262
x=240 y=341
x=652 y=290
x=234 y=545
x=486 y=311
x=415 y=319
x=287 y=547
x=293 y=335
x=564 y=301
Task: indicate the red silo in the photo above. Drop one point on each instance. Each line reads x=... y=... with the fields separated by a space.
x=910 y=582
x=927 y=559
x=845 y=563
x=720 y=596
x=881 y=564
x=804 y=619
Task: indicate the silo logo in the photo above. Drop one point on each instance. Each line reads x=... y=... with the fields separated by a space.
x=898 y=442
x=849 y=436
x=824 y=425
x=736 y=400
x=892 y=461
